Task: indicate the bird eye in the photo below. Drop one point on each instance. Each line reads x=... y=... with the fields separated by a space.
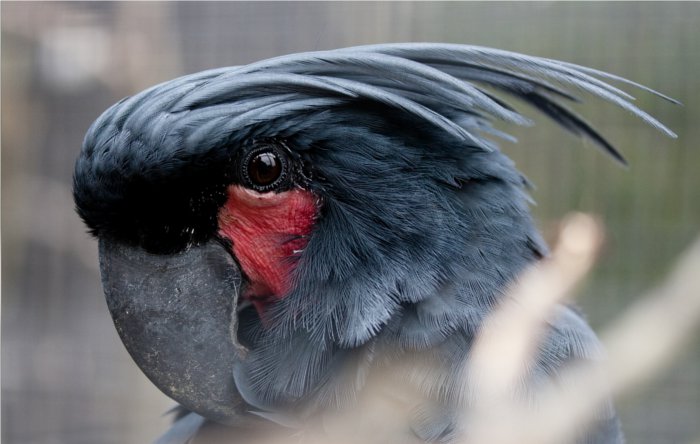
x=264 y=169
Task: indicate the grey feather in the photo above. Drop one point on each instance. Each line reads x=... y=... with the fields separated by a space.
x=183 y=430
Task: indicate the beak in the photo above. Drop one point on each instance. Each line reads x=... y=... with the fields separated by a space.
x=177 y=317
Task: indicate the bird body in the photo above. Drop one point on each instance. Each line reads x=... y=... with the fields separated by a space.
x=275 y=234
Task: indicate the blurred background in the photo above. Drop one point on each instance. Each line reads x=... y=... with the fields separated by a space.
x=66 y=378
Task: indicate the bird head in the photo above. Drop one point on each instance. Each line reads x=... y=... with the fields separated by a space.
x=260 y=225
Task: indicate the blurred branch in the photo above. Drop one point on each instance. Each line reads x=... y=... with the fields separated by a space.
x=639 y=345
x=643 y=341
x=513 y=332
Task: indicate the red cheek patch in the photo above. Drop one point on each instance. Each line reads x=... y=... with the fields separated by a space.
x=267 y=230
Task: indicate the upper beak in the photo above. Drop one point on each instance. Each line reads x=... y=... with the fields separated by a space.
x=176 y=315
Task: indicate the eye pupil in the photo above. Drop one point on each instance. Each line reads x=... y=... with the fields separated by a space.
x=264 y=168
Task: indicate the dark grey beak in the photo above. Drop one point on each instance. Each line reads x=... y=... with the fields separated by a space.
x=176 y=315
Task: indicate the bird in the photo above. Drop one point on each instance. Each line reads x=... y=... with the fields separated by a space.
x=272 y=235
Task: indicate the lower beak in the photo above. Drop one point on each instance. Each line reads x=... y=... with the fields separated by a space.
x=176 y=315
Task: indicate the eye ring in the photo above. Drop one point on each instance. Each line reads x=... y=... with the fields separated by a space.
x=264 y=169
